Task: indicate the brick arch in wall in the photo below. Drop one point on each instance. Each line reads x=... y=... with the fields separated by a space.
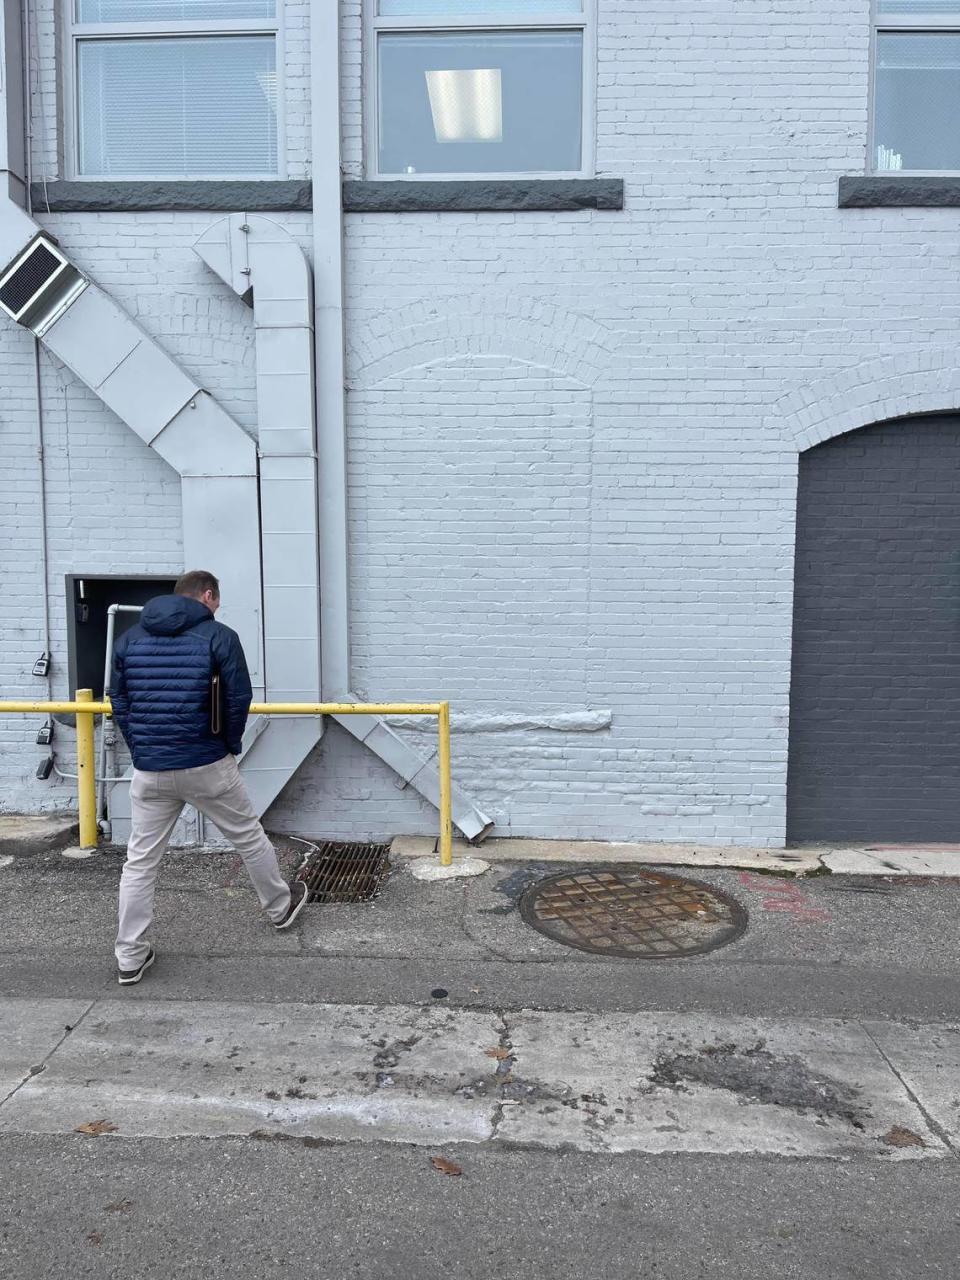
x=897 y=386
x=536 y=333
x=875 y=688
x=470 y=477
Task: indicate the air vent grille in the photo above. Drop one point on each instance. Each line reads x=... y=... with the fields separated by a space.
x=28 y=279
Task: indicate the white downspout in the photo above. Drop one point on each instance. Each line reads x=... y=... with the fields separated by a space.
x=329 y=334
x=326 y=180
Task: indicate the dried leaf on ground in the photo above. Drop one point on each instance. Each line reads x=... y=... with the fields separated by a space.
x=899 y=1136
x=96 y=1127
x=443 y=1165
x=500 y=1054
x=95 y=1237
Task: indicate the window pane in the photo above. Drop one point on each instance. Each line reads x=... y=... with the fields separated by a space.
x=173 y=10
x=471 y=8
x=933 y=7
x=176 y=107
x=480 y=103
x=918 y=102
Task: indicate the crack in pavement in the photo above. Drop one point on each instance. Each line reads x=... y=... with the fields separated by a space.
x=932 y=1124
x=40 y=1067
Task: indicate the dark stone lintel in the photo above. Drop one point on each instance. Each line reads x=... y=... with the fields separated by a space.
x=254 y=196
x=891 y=191
x=479 y=196
x=265 y=196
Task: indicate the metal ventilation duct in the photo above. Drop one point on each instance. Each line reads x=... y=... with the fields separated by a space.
x=39 y=285
x=262 y=263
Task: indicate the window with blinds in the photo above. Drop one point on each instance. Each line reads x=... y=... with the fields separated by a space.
x=175 y=88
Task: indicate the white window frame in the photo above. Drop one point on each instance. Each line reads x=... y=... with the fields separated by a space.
x=75 y=32
x=901 y=24
x=374 y=25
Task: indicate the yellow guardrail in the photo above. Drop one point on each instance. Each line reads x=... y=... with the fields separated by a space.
x=84 y=708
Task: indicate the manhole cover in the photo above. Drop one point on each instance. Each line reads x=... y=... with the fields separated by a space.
x=629 y=911
x=340 y=871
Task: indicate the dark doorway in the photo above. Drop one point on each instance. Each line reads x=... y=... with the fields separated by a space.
x=88 y=599
x=875 y=690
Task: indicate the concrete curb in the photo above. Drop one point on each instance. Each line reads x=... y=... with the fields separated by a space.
x=862 y=860
x=787 y=861
x=22 y=835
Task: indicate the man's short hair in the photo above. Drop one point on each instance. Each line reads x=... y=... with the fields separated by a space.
x=196 y=583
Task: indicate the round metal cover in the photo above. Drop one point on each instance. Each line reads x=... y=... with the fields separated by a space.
x=631 y=911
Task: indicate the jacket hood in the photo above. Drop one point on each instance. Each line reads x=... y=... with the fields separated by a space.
x=169 y=615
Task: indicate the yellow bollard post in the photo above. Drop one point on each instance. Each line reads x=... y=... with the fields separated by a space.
x=446 y=819
x=86 y=773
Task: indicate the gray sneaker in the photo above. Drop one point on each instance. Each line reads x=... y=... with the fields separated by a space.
x=126 y=977
x=298 y=900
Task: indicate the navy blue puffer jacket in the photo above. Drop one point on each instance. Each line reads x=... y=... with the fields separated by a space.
x=161 y=686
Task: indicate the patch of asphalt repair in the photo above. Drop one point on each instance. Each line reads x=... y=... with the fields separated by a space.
x=756 y=1074
x=513 y=885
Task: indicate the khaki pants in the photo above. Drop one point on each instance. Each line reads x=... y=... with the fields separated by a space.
x=156 y=800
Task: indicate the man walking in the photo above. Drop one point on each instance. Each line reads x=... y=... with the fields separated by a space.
x=181 y=693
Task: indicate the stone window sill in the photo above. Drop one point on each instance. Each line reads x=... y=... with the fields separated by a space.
x=265 y=196
x=531 y=195
x=891 y=191
x=255 y=196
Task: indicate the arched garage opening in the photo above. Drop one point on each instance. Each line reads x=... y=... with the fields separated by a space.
x=875 y=687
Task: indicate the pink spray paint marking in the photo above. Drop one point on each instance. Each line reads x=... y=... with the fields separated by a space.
x=785 y=896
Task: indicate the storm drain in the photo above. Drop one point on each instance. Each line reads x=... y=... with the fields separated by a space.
x=341 y=871
x=630 y=911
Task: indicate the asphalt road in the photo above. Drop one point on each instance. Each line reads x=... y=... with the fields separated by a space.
x=189 y=1209
x=835 y=946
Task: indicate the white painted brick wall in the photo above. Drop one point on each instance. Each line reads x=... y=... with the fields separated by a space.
x=351 y=74
x=730 y=279
x=573 y=436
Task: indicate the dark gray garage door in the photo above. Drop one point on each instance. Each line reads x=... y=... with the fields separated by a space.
x=875 y=693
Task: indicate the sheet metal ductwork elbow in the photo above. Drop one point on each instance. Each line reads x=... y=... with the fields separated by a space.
x=262 y=264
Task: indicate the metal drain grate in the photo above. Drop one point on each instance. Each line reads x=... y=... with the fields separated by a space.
x=341 y=871
x=629 y=911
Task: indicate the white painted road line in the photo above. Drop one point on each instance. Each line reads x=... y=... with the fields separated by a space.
x=596 y=1082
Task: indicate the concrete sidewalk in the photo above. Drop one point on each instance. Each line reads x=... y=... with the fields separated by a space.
x=615 y=1083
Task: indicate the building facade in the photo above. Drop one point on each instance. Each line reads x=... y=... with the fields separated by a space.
x=599 y=286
